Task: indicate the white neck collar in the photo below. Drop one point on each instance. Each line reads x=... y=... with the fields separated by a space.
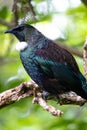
x=20 y=46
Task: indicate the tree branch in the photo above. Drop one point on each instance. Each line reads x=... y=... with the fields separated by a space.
x=25 y=90
x=85 y=58
x=13 y=95
x=70 y=49
x=29 y=89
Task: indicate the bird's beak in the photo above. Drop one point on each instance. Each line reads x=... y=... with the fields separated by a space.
x=9 y=31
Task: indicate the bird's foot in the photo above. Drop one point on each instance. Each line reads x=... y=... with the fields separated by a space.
x=47 y=96
x=58 y=100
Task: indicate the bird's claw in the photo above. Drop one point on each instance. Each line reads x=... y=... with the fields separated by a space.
x=46 y=95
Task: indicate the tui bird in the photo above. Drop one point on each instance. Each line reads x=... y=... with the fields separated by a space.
x=53 y=68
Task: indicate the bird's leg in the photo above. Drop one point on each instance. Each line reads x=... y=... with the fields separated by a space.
x=57 y=99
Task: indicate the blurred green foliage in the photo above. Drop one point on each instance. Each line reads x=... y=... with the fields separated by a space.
x=23 y=115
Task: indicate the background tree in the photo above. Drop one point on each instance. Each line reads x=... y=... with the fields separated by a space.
x=63 y=21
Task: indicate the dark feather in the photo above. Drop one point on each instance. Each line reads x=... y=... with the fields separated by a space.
x=52 y=52
x=60 y=68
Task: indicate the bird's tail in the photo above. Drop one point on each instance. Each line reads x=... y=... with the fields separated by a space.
x=84 y=85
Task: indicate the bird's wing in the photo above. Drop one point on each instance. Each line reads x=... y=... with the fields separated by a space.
x=53 y=54
x=58 y=63
x=57 y=70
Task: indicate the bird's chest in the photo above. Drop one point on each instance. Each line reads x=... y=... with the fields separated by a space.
x=31 y=67
x=27 y=58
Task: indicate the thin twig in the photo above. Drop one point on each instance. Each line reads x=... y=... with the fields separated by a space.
x=3 y=22
x=32 y=10
x=15 y=12
x=52 y=110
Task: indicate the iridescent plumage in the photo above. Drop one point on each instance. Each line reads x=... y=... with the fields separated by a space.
x=53 y=68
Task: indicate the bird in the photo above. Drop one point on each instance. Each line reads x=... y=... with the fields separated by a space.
x=50 y=66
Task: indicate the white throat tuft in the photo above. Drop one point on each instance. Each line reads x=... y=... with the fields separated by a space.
x=20 y=46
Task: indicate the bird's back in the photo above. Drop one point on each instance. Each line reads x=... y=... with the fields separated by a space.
x=59 y=63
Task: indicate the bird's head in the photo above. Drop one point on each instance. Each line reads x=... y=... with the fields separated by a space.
x=26 y=34
x=21 y=31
